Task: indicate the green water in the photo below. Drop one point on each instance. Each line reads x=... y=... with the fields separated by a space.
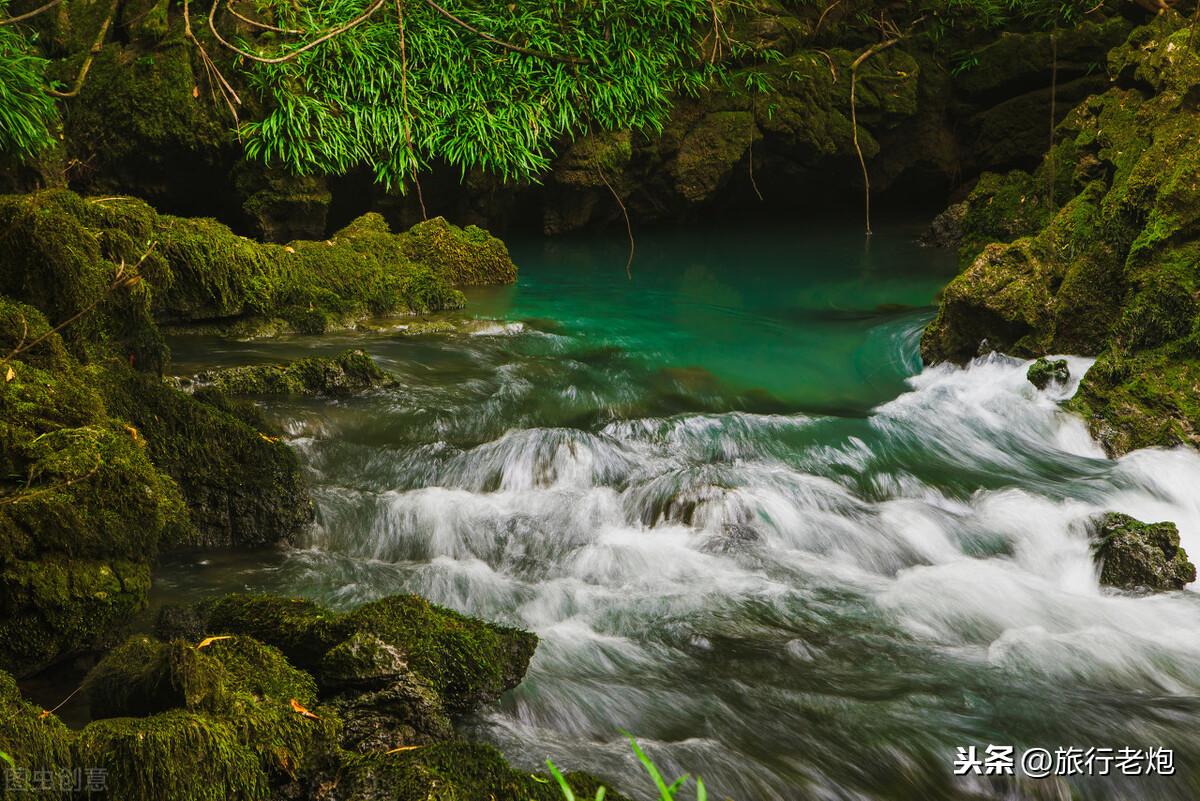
x=745 y=523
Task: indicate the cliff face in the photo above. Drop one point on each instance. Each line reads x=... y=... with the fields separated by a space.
x=1096 y=252
x=774 y=137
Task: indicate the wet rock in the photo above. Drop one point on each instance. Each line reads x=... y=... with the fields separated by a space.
x=242 y=487
x=406 y=711
x=345 y=374
x=467 y=661
x=281 y=206
x=1135 y=555
x=946 y=229
x=1044 y=372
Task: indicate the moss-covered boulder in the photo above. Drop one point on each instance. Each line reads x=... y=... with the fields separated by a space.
x=83 y=508
x=1044 y=372
x=1096 y=252
x=65 y=250
x=345 y=374
x=467 y=661
x=34 y=742
x=242 y=486
x=1135 y=555
x=55 y=607
x=237 y=702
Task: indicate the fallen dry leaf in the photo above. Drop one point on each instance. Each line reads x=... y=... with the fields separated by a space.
x=403 y=748
x=210 y=640
x=299 y=707
x=9 y=375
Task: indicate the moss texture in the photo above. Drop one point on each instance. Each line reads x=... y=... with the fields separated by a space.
x=1096 y=251
x=1044 y=372
x=242 y=486
x=467 y=661
x=1147 y=556
x=33 y=741
x=347 y=373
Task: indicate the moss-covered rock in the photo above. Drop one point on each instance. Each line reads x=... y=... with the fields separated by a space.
x=66 y=250
x=235 y=695
x=34 y=742
x=54 y=607
x=178 y=755
x=1105 y=264
x=467 y=661
x=345 y=374
x=1044 y=372
x=1135 y=555
x=242 y=486
x=711 y=151
x=281 y=206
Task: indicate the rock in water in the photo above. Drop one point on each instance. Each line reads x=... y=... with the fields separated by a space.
x=1045 y=372
x=1135 y=555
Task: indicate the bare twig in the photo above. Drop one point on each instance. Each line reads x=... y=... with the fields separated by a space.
x=500 y=42
x=858 y=62
x=255 y=23
x=91 y=55
x=121 y=279
x=228 y=94
x=28 y=494
x=628 y=224
x=716 y=33
x=825 y=13
x=29 y=14
x=832 y=65
x=360 y=19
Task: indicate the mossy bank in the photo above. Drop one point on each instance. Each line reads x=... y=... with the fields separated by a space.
x=1096 y=252
x=104 y=464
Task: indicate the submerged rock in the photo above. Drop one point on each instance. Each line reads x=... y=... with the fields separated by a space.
x=1044 y=372
x=348 y=372
x=1135 y=555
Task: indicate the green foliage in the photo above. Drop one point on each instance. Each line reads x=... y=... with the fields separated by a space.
x=27 y=112
x=666 y=792
x=452 y=95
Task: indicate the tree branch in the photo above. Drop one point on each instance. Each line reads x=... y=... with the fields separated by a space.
x=91 y=56
x=212 y=26
x=879 y=47
x=28 y=14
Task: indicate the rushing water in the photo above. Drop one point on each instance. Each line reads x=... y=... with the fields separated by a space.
x=746 y=526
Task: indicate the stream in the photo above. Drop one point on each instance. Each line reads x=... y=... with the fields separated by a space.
x=747 y=526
